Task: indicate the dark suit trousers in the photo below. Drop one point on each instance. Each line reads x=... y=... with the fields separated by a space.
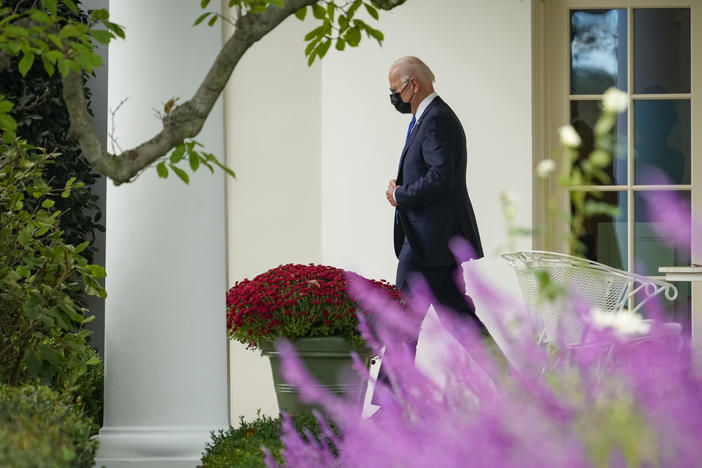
x=446 y=286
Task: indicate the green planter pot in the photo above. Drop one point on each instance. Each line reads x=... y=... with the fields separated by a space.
x=328 y=360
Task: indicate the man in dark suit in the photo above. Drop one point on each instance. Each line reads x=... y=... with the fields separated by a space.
x=429 y=194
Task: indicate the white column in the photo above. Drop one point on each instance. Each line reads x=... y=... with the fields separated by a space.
x=165 y=337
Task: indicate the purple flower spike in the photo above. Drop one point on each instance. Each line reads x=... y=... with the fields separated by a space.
x=610 y=400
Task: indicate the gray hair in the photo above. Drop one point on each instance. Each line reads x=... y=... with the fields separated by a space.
x=410 y=66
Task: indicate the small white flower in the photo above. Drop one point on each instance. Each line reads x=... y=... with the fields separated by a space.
x=509 y=197
x=624 y=322
x=615 y=100
x=545 y=167
x=569 y=137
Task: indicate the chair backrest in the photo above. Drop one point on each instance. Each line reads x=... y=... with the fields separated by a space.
x=576 y=286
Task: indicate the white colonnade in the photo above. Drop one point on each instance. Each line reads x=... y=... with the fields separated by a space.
x=165 y=343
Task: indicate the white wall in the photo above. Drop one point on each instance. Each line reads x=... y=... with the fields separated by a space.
x=314 y=149
x=480 y=53
x=273 y=145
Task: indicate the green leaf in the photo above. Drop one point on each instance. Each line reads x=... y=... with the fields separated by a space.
x=25 y=235
x=8 y=136
x=213 y=158
x=311 y=46
x=100 y=15
x=278 y=3
x=352 y=9
x=48 y=204
x=343 y=23
x=84 y=63
x=319 y=11
x=57 y=42
x=301 y=13
x=71 y=6
x=162 y=170
x=331 y=10
x=204 y=3
x=23 y=271
x=93 y=360
x=323 y=48
x=71 y=313
x=371 y=11
x=82 y=246
x=194 y=159
x=115 y=28
x=353 y=36
x=312 y=56
x=101 y=35
x=69 y=30
x=178 y=153
x=63 y=67
x=180 y=173
x=326 y=27
x=49 y=5
x=53 y=55
x=201 y=18
x=41 y=17
x=6 y=106
x=26 y=63
x=340 y=44
x=7 y=123
x=97 y=271
x=212 y=20
x=375 y=34
x=17 y=31
x=314 y=33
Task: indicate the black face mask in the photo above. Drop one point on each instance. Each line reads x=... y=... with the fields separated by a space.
x=401 y=106
x=396 y=100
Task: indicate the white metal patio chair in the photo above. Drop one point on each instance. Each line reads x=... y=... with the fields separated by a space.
x=583 y=282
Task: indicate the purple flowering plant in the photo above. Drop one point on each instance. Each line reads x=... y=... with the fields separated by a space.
x=611 y=402
x=616 y=400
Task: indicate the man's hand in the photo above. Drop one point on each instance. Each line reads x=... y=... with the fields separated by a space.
x=390 y=192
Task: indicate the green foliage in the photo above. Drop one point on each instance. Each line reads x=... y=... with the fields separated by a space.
x=241 y=447
x=340 y=24
x=53 y=37
x=194 y=157
x=7 y=123
x=42 y=119
x=40 y=428
x=40 y=327
x=81 y=375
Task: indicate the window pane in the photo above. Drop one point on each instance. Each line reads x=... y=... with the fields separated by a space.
x=662 y=50
x=662 y=230
x=597 y=50
x=605 y=238
x=662 y=140
x=583 y=116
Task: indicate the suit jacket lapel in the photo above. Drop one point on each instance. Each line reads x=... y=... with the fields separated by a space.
x=415 y=131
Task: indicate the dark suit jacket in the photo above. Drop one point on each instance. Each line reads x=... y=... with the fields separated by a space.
x=432 y=198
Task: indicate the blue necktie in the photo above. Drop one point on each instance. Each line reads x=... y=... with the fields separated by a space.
x=409 y=132
x=411 y=126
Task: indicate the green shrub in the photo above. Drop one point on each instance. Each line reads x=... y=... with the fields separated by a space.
x=41 y=326
x=88 y=391
x=81 y=378
x=42 y=120
x=41 y=428
x=241 y=447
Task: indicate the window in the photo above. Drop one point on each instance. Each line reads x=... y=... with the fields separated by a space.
x=645 y=49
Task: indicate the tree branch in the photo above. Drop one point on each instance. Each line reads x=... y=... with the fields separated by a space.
x=186 y=120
